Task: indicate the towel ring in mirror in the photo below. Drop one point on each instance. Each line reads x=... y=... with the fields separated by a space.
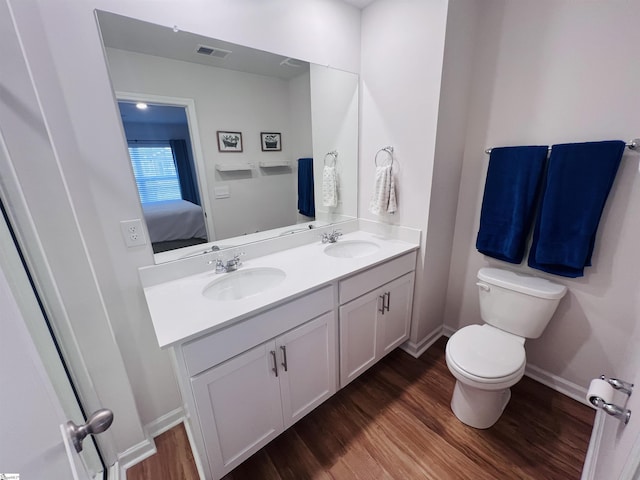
x=389 y=151
x=333 y=158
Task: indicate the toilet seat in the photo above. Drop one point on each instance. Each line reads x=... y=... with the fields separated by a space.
x=486 y=355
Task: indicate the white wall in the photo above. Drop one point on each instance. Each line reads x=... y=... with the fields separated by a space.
x=550 y=72
x=335 y=128
x=402 y=61
x=226 y=100
x=296 y=29
x=443 y=197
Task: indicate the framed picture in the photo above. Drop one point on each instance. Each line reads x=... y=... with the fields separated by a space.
x=271 y=142
x=229 y=141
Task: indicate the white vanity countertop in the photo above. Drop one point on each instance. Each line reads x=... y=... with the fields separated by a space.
x=181 y=312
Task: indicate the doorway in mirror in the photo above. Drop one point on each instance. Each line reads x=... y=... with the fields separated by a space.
x=160 y=148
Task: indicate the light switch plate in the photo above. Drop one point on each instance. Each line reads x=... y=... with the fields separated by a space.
x=222 y=191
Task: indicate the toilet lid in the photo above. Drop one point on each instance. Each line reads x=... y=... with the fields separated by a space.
x=486 y=352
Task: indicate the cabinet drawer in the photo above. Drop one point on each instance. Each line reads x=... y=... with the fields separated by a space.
x=364 y=282
x=219 y=346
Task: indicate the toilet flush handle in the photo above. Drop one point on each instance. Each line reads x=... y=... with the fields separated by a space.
x=483 y=286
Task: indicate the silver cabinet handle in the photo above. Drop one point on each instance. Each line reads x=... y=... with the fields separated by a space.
x=284 y=357
x=388 y=295
x=381 y=310
x=275 y=362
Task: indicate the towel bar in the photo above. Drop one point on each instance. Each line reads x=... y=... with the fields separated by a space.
x=632 y=145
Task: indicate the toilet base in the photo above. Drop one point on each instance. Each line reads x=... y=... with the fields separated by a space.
x=478 y=408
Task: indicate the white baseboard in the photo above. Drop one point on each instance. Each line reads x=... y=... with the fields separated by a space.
x=417 y=349
x=164 y=423
x=146 y=448
x=135 y=455
x=589 y=468
x=570 y=389
x=448 y=331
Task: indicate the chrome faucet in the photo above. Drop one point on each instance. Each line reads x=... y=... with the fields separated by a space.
x=228 y=266
x=331 y=237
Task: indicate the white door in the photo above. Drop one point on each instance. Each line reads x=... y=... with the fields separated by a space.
x=308 y=367
x=32 y=416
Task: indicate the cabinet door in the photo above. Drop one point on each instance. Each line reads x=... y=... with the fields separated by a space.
x=239 y=407
x=394 y=323
x=358 y=334
x=307 y=357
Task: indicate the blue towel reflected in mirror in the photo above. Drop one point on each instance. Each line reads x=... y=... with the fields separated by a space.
x=306 y=202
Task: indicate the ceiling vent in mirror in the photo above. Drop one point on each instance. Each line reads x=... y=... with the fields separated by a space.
x=292 y=62
x=212 y=52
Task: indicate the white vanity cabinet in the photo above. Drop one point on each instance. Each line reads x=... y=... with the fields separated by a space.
x=374 y=323
x=245 y=401
x=251 y=368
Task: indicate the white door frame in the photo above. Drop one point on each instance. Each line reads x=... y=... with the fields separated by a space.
x=198 y=158
x=631 y=470
x=36 y=166
x=34 y=442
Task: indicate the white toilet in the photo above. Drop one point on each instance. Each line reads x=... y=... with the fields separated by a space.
x=488 y=359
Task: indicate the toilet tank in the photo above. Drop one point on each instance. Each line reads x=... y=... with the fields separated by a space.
x=516 y=302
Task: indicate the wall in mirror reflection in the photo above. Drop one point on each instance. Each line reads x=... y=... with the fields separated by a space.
x=226 y=100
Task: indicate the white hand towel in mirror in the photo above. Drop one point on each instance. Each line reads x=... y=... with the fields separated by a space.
x=384 y=194
x=329 y=186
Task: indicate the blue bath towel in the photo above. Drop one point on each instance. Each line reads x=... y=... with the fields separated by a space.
x=306 y=202
x=510 y=192
x=578 y=182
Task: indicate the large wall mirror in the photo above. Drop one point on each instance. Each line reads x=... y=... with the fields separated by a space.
x=230 y=144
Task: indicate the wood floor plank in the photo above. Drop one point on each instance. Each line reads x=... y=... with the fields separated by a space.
x=173 y=460
x=291 y=456
x=395 y=422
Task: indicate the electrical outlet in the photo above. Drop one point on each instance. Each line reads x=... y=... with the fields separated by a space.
x=133 y=232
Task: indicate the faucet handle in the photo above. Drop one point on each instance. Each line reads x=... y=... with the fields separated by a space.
x=234 y=263
x=219 y=265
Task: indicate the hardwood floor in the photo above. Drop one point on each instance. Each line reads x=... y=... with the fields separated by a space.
x=395 y=422
x=173 y=460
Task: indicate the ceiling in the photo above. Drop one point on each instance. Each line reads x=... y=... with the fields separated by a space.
x=155 y=114
x=359 y=3
x=125 y=33
x=137 y=36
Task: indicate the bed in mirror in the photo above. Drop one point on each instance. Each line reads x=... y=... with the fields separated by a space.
x=229 y=144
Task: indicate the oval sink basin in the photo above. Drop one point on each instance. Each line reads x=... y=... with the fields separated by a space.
x=351 y=249
x=244 y=283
